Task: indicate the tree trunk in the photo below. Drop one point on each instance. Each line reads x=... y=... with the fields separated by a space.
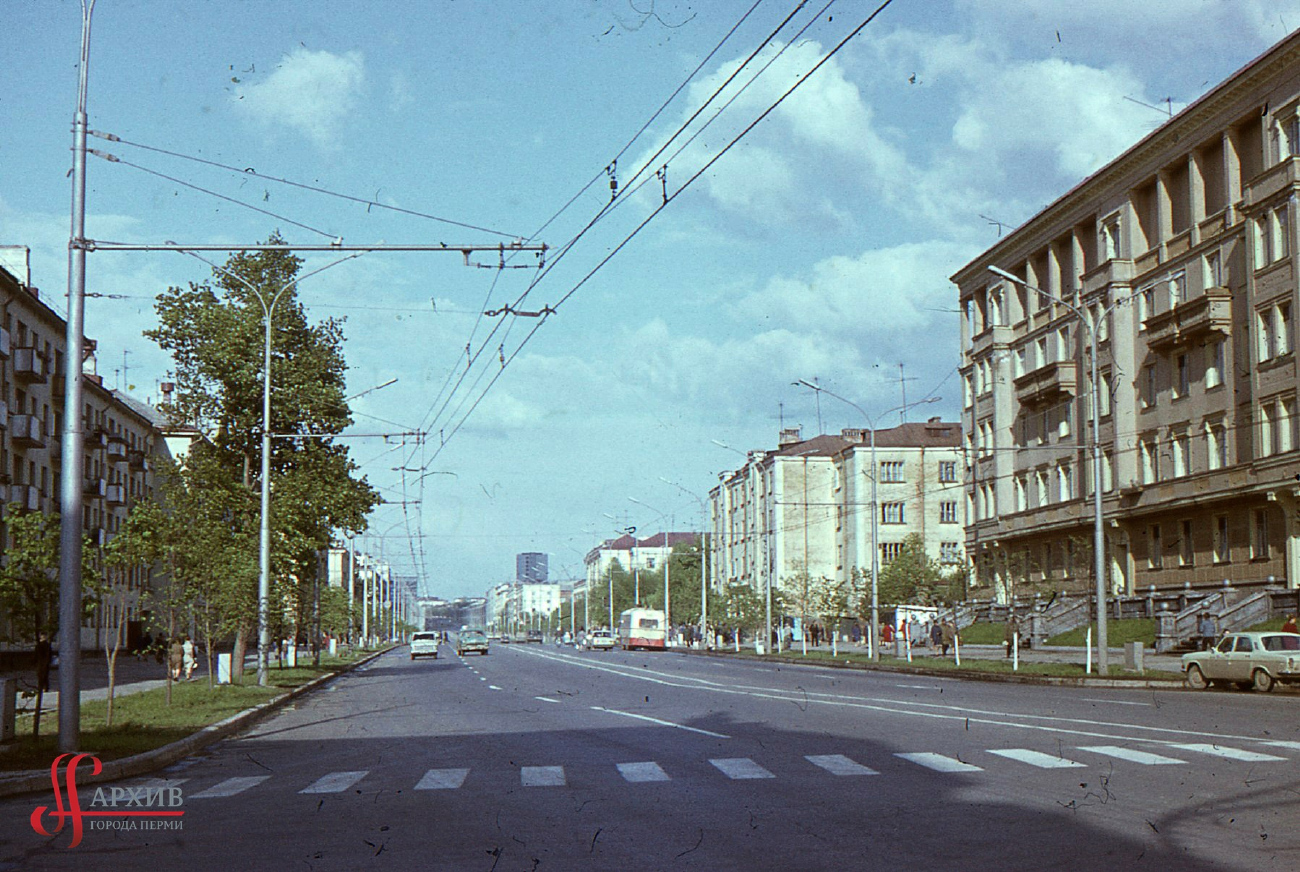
x=36 y=716
x=237 y=655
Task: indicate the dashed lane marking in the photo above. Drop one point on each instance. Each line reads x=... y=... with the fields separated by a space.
x=442 y=779
x=335 y=782
x=546 y=699
x=641 y=772
x=740 y=768
x=1036 y=758
x=939 y=763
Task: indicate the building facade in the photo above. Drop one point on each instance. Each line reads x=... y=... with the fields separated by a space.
x=530 y=567
x=124 y=441
x=807 y=505
x=633 y=554
x=1182 y=255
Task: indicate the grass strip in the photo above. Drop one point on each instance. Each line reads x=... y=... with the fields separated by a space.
x=144 y=721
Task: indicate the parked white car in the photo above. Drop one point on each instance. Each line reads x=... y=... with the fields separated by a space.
x=1247 y=660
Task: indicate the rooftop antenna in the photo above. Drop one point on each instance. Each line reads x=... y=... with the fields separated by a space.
x=902 y=386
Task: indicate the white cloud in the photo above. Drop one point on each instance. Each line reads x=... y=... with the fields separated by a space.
x=310 y=91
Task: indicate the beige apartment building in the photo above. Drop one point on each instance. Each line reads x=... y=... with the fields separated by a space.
x=807 y=505
x=1182 y=252
x=123 y=437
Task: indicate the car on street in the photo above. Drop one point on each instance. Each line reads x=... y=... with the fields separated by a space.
x=1247 y=660
x=425 y=645
x=600 y=640
x=471 y=640
x=534 y=636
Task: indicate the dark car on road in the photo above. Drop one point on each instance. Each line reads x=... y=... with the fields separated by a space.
x=471 y=640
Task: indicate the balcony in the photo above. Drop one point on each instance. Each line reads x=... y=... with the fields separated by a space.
x=1048 y=383
x=116 y=449
x=94 y=488
x=1191 y=320
x=30 y=367
x=4 y=415
x=6 y=348
x=27 y=496
x=136 y=460
x=115 y=495
x=26 y=431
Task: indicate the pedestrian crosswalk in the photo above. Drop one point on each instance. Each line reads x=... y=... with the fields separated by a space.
x=550 y=775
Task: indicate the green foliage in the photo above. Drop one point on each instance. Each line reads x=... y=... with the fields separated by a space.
x=684 y=576
x=742 y=608
x=29 y=578
x=1118 y=633
x=914 y=577
x=215 y=333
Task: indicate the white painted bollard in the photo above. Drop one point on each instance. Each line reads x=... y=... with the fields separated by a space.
x=1087 y=649
x=1015 y=651
x=223 y=669
x=956 y=648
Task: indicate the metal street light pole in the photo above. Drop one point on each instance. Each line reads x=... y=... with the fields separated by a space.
x=1098 y=531
x=668 y=565
x=704 y=557
x=264 y=546
x=873 y=637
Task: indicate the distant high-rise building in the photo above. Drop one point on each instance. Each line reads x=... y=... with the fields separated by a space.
x=530 y=568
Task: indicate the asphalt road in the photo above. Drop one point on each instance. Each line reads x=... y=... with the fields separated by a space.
x=545 y=758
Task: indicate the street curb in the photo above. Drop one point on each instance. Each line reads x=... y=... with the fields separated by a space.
x=970 y=674
x=36 y=780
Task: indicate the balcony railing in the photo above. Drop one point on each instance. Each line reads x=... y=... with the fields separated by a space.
x=6 y=348
x=27 y=496
x=94 y=488
x=136 y=459
x=1211 y=312
x=116 y=450
x=29 y=366
x=115 y=495
x=1048 y=383
x=26 y=431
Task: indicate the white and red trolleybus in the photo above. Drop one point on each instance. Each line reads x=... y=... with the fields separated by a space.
x=641 y=628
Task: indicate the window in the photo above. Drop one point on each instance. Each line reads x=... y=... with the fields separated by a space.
x=1063 y=349
x=1146 y=306
x=949 y=552
x=1022 y=494
x=1040 y=352
x=1216 y=445
x=1154 y=548
x=1186 y=547
x=1263 y=237
x=1021 y=359
x=1044 y=492
x=947 y=470
x=1285 y=426
x=891 y=471
x=1288 y=137
x=1150 y=463
x=1214 y=364
x=1110 y=239
x=1222 y=548
x=1282 y=329
x=1149 y=386
x=1259 y=535
x=968 y=390
x=1177 y=288
x=1107 y=472
x=1213 y=269
x=948 y=512
x=1104 y=394
x=1183 y=383
x=1065 y=421
x=1181 y=461
x=1265 y=430
x=891 y=513
x=1065 y=481
x=1278 y=232
x=889 y=552
x=995 y=308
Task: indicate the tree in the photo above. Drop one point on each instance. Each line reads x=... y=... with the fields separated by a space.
x=214 y=332
x=742 y=608
x=29 y=582
x=912 y=577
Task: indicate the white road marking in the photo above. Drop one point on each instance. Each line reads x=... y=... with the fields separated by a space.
x=641 y=772
x=740 y=768
x=838 y=764
x=658 y=721
x=546 y=699
x=1133 y=756
x=1115 y=701
x=335 y=782
x=229 y=787
x=493 y=687
x=156 y=782
x=1229 y=753
x=1036 y=758
x=541 y=776
x=442 y=779
x=917 y=686
x=1293 y=746
x=939 y=763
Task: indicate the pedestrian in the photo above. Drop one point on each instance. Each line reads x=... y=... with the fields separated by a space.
x=855 y=633
x=936 y=636
x=1288 y=626
x=947 y=634
x=887 y=633
x=1012 y=632
x=1205 y=629
x=44 y=657
x=187 y=657
x=915 y=635
x=175 y=659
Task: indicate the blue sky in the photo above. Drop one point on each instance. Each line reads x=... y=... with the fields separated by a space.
x=818 y=247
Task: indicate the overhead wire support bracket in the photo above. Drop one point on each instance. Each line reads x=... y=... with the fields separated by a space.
x=501 y=249
x=508 y=309
x=336 y=245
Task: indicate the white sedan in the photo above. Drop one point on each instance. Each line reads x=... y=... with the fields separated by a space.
x=601 y=640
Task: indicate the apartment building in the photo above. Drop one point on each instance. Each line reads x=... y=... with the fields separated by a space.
x=124 y=438
x=650 y=553
x=1182 y=255
x=807 y=505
